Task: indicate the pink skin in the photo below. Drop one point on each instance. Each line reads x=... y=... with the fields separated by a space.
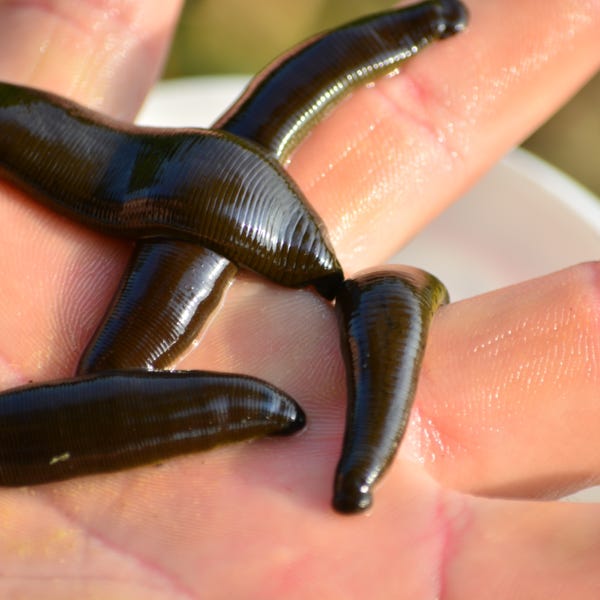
x=507 y=405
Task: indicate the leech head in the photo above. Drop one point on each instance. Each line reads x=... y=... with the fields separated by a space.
x=351 y=496
x=297 y=422
x=329 y=285
x=453 y=17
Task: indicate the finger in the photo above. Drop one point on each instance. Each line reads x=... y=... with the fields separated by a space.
x=508 y=397
x=502 y=549
x=103 y=54
x=59 y=276
x=395 y=154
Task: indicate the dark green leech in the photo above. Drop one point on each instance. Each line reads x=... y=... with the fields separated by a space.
x=204 y=186
x=384 y=318
x=168 y=292
x=291 y=95
x=123 y=419
x=277 y=110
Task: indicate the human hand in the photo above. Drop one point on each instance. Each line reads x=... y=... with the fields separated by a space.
x=494 y=413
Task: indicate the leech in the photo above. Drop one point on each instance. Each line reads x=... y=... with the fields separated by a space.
x=296 y=91
x=384 y=318
x=205 y=186
x=122 y=419
x=168 y=292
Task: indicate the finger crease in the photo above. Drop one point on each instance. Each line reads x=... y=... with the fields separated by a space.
x=142 y=563
x=419 y=108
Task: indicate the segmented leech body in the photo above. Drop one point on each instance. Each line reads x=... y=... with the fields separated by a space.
x=384 y=318
x=121 y=419
x=150 y=321
x=205 y=186
x=281 y=105
x=227 y=190
x=277 y=110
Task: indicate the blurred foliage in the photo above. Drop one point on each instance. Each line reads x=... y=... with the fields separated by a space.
x=234 y=36
x=238 y=36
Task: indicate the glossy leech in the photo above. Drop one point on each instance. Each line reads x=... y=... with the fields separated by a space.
x=122 y=419
x=168 y=292
x=280 y=106
x=277 y=110
x=384 y=318
x=204 y=186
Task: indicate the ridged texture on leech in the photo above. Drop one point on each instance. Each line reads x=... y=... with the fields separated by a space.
x=150 y=323
x=384 y=318
x=197 y=185
x=122 y=419
x=292 y=94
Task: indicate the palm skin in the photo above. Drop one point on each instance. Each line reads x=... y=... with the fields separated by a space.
x=506 y=403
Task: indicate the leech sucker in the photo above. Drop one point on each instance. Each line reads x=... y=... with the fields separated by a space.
x=384 y=318
x=122 y=419
x=277 y=110
x=204 y=186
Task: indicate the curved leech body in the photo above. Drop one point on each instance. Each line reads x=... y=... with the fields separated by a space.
x=384 y=318
x=150 y=321
x=295 y=92
x=277 y=110
x=204 y=186
x=122 y=419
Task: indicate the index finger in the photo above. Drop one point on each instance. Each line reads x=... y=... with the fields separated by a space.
x=103 y=54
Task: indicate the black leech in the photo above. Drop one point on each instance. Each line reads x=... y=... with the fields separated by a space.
x=384 y=318
x=122 y=419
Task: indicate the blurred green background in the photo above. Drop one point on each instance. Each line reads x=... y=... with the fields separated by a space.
x=237 y=36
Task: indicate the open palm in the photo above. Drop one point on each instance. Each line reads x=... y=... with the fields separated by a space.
x=506 y=405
